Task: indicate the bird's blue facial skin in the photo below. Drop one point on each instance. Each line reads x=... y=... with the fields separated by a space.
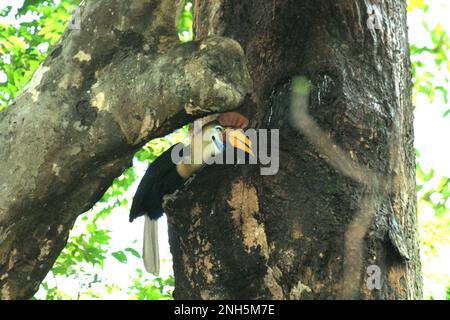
x=218 y=144
x=217 y=138
x=213 y=140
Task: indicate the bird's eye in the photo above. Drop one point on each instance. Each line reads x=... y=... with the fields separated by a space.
x=219 y=128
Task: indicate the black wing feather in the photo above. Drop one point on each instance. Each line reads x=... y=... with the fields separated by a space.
x=161 y=178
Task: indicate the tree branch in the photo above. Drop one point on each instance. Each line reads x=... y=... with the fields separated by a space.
x=106 y=89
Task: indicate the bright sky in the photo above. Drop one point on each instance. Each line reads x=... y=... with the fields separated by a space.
x=123 y=234
x=432 y=133
x=431 y=129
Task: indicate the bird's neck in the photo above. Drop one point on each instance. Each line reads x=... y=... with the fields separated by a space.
x=191 y=164
x=187 y=170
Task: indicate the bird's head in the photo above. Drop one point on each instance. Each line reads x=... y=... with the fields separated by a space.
x=213 y=135
x=209 y=141
x=228 y=127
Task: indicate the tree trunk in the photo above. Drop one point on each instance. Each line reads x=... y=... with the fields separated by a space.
x=107 y=88
x=343 y=202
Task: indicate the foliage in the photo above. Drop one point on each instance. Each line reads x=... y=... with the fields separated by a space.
x=431 y=66
x=430 y=79
x=158 y=289
x=24 y=45
x=185 y=22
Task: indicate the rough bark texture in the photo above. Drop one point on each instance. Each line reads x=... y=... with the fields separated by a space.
x=106 y=89
x=344 y=198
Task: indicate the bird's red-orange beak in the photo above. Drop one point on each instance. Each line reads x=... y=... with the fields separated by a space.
x=239 y=140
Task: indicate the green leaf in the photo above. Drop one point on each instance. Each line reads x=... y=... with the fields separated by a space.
x=119 y=255
x=133 y=252
x=5 y=12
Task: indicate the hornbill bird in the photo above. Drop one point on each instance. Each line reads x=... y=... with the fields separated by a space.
x=164 y=177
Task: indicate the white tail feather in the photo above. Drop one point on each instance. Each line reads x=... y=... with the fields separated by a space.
x=151 y=246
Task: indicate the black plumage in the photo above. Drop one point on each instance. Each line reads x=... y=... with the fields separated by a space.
x=160 y=179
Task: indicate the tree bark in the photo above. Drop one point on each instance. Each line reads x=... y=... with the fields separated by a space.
x=344 y=198
x=120 y=80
